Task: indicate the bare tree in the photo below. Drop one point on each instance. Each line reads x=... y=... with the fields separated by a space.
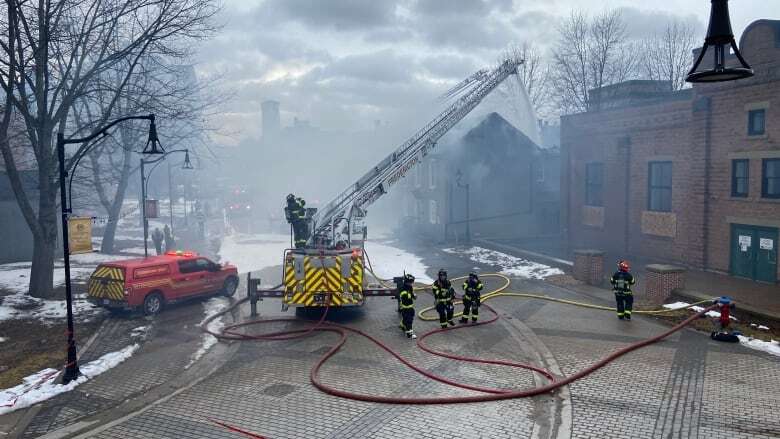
x=590 y=53
x=534 y=75
x=54 y=51
x=172 y=92
x=667 y=55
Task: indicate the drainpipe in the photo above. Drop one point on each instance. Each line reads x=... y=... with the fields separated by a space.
x=705 y=104
x=625 y=144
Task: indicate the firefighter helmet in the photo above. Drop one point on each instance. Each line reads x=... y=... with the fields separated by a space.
x=290 y=197
x=408 y=279
x=624 y=266
x=473 y=276
x=442 y=273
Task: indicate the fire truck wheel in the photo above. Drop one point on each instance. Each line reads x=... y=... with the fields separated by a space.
x=229 y=287
x=153 y=303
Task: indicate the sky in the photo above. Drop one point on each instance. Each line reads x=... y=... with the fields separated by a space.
x=344 y=64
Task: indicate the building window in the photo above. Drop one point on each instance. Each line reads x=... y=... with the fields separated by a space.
x=739 y=178
x=433 y=212
x=770 y=181
x=431 y=174
x=756 y=122
x=594 y=184
x=659 y=187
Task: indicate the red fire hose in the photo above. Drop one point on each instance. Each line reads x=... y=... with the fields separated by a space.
x=230 y=333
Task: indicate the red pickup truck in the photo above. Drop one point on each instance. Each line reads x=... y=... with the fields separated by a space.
x=150 y=283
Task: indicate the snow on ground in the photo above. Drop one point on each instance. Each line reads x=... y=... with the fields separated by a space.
x=389 y=261
x=676 y=305
x=43 y=385
x=253 y=252
x=212 y=306
x=772 y=347
x=681 y=305
x=22 y=306
x=510 y=265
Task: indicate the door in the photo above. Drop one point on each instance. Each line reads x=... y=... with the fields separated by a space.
x=742 y=243
x=754 y=252
x=192 y=277
x=766 y=255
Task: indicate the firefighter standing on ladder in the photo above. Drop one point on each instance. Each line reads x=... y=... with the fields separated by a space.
x=406 y=298
x=297 y=217
x=444 y=295
x=621 y=282
x=472 y=290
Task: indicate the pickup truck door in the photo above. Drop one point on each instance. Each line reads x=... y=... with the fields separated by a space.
x=191 y=279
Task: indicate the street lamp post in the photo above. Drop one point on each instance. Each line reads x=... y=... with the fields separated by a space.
x=458 y=176
x=152 y=147
x=145 y=181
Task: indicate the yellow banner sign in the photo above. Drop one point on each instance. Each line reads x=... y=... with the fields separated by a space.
x=80 y=235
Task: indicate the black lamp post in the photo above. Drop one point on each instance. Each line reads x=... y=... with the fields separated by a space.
x=152 y=147
x=458 y=177
x=145 y=181
x=719 y=38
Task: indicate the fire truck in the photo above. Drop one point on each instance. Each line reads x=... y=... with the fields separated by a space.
x=330 y=269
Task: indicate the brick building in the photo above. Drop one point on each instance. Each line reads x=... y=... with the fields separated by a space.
x=690 y=177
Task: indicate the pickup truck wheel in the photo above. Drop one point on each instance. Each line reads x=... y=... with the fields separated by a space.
x=153 y=304
x=229 y=287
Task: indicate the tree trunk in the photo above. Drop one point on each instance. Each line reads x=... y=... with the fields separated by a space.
x=45 y=245
x=45 y=242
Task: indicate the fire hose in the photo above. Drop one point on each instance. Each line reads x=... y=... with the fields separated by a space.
x=231 y=332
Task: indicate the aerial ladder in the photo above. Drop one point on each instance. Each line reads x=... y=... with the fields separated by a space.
x=330 y=265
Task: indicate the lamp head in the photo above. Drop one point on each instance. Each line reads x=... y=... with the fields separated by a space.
x=720 y=38
x=153 y=146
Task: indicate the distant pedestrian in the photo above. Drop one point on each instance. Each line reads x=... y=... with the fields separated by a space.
x=472 y=293
x=170 y=243
x=621 y=282
x=444 y=295
x=157 y=238
x=406 y=304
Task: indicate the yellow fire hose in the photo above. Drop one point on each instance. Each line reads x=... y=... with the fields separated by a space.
x=501 y=292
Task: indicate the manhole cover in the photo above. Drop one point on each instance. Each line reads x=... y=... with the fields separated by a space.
x=279 y=390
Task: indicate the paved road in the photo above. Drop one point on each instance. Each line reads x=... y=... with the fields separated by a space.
x=684 y=387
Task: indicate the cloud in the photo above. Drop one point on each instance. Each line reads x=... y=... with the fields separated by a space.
x=335 y=14
x=643 y=23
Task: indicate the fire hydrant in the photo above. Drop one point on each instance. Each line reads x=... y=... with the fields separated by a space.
x=725 y=305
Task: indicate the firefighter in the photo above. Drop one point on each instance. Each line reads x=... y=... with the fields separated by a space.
x=472 y=291
x=297 y=217
x=444 y=295
x=621 y=282
x=406 y=298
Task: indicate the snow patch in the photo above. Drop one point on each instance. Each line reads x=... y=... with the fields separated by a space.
x=212 y=307
x=23 y=306
x=772 y=347
x=253 y=252
x=3 y=339
x=42 y=385
x=389 y=262
x=676 y=305
x=510 y=265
